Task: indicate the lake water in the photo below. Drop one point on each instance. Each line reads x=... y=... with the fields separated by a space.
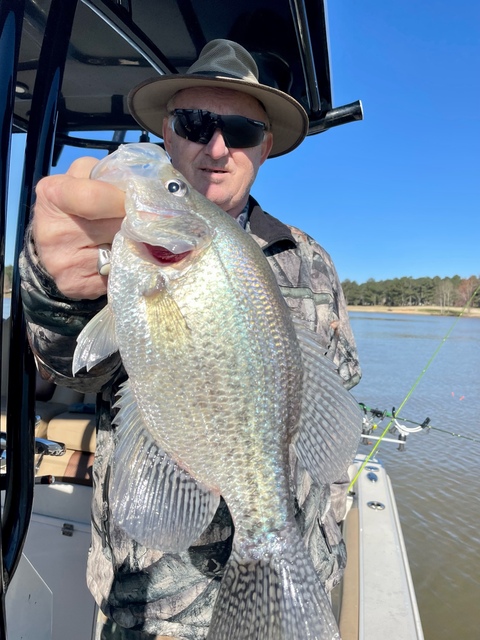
x=436 y=480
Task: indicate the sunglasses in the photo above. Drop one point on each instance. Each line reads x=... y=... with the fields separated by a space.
x=199 y=126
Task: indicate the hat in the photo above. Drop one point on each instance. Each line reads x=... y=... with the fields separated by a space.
x=222 y=64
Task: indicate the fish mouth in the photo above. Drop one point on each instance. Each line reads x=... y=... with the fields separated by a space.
x=166 y=239
x=176 y=231
x=163 y=256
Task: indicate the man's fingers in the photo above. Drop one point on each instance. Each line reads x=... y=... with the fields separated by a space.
x=73 y=216
x=83 y=197
x=82 y=167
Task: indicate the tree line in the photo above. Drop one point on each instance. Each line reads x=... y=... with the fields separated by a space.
x=399 y=292
x=404 y=292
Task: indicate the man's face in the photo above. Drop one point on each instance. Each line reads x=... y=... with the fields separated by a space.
x=223 y=175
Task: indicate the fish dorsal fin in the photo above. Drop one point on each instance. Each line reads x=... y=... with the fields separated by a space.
x=331 y=420
x=96 y=341
x=152 y=498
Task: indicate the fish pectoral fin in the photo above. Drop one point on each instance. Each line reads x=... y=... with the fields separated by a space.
x=278 y=596
x=96 y=341
x=331 y=420
x=152 y=498
x=162 y=308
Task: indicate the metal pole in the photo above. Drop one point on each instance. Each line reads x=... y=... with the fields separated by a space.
x=11 y=17
x=20 y=411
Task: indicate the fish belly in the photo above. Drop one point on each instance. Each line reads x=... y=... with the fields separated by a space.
x=211 y=359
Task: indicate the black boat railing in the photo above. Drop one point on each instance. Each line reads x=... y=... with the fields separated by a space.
x=11 y=18
x=38 y=152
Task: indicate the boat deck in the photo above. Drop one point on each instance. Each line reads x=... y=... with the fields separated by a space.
x=376 y=599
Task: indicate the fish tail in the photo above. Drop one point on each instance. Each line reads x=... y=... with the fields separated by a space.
x=275 y=597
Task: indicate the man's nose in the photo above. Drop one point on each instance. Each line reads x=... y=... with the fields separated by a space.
x=217 y=147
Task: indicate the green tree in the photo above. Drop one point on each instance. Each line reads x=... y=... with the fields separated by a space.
x=351 y=291
x=372 y=292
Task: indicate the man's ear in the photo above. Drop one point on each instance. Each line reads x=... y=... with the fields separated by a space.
x=167 y=134
x=266 y=146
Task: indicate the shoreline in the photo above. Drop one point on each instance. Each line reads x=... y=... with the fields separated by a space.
x=427 y=310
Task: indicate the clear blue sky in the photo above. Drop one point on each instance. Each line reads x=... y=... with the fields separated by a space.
x=397 y=194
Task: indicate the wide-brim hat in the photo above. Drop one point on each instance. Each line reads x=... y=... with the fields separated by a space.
x=222 y=64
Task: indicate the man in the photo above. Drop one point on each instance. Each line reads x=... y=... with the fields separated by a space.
x=219 y=125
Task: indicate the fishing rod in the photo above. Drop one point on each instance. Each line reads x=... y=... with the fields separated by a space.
x=412 y=389
x=419 y=426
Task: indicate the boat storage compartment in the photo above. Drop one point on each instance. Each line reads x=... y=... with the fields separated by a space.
x=48 y=598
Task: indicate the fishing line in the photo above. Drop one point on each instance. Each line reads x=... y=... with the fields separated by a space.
x=414 y=386
x=457 y=435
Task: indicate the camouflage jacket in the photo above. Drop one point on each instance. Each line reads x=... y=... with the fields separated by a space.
x=173 y=594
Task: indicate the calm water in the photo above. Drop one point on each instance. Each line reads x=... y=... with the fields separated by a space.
x=437 y=479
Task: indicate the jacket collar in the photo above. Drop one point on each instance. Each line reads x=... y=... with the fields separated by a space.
x=267 y=228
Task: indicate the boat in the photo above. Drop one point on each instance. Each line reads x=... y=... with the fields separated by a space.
x=377 y=596
x=66 y=70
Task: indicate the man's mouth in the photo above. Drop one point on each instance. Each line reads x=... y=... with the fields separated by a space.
x=213 y=170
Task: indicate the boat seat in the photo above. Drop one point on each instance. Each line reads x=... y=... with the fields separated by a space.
x=62 y=415
x=60 y=402
x=75 y=428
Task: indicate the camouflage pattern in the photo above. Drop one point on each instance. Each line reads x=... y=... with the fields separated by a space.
x=144 y=593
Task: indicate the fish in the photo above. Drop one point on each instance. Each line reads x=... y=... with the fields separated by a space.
x=222 y=385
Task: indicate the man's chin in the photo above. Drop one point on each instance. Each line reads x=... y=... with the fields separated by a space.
x=215 y=193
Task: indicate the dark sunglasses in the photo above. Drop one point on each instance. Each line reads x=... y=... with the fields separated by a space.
x=199 y=126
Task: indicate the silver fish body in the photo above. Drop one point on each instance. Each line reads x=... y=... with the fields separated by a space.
x=220 y=388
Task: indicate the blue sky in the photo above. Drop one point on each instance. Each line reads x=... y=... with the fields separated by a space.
x=397 y=194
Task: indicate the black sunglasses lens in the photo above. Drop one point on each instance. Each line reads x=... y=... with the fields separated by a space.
x=191 y=125
x=242 y=132
x=199 y=126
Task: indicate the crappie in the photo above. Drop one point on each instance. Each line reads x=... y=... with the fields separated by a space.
x=221 y=385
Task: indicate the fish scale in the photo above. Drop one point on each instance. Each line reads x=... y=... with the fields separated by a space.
x=246 y=411
x=221 y=384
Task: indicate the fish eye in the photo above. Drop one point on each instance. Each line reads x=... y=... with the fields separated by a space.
x=176 y=187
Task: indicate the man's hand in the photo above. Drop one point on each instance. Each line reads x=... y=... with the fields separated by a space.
x=73 y=216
